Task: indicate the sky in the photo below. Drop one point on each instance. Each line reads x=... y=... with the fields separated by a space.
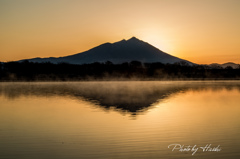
x=201 y=31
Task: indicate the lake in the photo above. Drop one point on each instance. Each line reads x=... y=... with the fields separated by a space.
x=108 y=120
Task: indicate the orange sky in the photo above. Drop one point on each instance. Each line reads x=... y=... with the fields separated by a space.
x=201 y=31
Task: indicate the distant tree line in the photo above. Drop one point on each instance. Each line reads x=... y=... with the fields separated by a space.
x=29 y=71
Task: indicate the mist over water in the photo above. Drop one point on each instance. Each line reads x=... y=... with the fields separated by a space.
x=130 y=96
x=133 y=119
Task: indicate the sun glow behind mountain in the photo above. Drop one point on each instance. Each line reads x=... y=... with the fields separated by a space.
x=162 y=43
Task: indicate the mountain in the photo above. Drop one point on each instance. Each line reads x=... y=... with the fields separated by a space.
x=225 y=65
x=118 y=52
x=230 y=64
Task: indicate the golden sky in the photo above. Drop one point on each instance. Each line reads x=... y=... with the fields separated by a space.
x=201 y=31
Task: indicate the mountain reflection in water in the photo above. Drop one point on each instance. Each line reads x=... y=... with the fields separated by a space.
x=124 y=96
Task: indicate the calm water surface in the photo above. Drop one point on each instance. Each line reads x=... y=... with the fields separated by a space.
x=119 y=120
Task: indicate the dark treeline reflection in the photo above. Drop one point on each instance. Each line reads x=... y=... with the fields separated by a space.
x=28 y=71
x=124 y=96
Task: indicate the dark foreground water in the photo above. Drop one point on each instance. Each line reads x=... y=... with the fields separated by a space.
x=78 y=120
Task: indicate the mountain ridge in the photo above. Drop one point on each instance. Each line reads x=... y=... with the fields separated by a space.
x=122 y=51
x=225 y=65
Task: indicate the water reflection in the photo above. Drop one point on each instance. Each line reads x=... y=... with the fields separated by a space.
x=60 y=120
x=133 y=97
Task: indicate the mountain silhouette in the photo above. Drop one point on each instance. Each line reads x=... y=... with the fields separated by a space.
x=118 y=52
x=225 y=65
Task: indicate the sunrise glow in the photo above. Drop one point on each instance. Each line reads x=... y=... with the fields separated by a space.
x=203 y=32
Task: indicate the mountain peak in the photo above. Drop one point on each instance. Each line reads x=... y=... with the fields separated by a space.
x=133 y=39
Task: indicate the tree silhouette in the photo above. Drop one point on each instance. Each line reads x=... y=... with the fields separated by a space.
x=29 y=71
